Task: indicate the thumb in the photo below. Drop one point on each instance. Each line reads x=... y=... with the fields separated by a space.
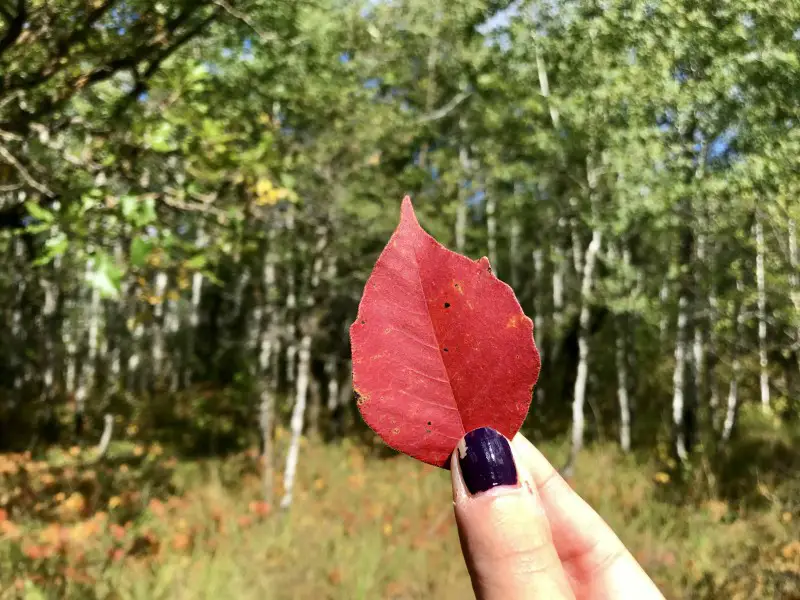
x=504 y=533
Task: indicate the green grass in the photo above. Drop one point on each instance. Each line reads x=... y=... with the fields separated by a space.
x=362 y=526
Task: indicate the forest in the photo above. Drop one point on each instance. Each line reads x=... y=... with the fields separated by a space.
x=193 y=194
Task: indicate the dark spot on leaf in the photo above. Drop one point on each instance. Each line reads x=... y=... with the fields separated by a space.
x=447 y=305
x=361 y=400
x=363 y=322
x=429 y=422
x=445 y=349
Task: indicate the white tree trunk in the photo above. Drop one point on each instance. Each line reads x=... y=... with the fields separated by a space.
x=331 y=371
x=135 y=379
x=733 y=401
x=559 y=274
x=70 y=340
x=713 y=308
x=622 y=388
x=732 y=408
x=461 y=209
x=303 y=381
x=105 y=438
x=17 y=329
x=86 y=382
x=267 y=347
x=762 y=316
x=577 y=247
x=579 y=396
x=298 y=415
x=699 y=341
x=115 y=314
x=794 y=283
x=538 y=314
x=663 y=296
x=491 y=230
x=515 y=231
x=194 y=315
x=51 y=290
x=544 y=84
x=678 y=380
x=291 y=312
x=699 y=358
x=160 y=292
x=266 y=416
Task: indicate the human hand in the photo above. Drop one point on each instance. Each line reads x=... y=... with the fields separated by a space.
x=526 y=535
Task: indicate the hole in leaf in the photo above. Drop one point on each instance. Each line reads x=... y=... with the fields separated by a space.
x=447 y=305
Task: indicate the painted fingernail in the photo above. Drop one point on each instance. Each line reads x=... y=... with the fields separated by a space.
x=486 y=460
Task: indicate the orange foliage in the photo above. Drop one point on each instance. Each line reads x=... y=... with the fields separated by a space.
x=260 y=509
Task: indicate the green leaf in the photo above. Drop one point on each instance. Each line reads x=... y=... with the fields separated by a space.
x=37 y=212
x=197 y=262
x=140 y=250
x=55 y=246
x=159 y=139
x=105 y=276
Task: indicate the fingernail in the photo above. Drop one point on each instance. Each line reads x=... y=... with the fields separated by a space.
x=486 y=460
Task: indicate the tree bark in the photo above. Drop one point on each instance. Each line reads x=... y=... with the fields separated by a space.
x=678 y=383
x=303 y=380
x=86 y=381
x=538 y=315
x=794 y=283
x=762 y=316
x=515 y=231
x=157 y=328
x=732 y=408
x=291 y=308
x=622 y=386
x=194 y=315
x=18 y=333
x=663 y=323
x=268 y=354
x=544 y=84
x=559 y=274
x=298 y=415
x=463 y=196
x=491 y=230
x=579 y=396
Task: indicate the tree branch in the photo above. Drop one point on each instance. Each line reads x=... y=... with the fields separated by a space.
x=240 y=16
x=142 y=79
x=446 y=109
x=204 y=206
x=24 y=173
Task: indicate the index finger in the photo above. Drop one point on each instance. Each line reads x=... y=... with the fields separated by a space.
x=595 y=560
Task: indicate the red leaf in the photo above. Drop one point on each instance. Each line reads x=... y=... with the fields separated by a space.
x=440 y=347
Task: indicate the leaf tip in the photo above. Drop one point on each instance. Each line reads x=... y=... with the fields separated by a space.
x=407 y=211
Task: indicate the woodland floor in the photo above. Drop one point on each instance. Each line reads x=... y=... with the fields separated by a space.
x=363 y=525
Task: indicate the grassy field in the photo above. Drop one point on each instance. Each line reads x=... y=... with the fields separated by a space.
x=363 y=525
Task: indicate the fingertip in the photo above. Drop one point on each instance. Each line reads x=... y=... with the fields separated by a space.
x=502 y=525
x=460 y=493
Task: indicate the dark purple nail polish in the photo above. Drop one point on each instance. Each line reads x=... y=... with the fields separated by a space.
x=486 y=461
